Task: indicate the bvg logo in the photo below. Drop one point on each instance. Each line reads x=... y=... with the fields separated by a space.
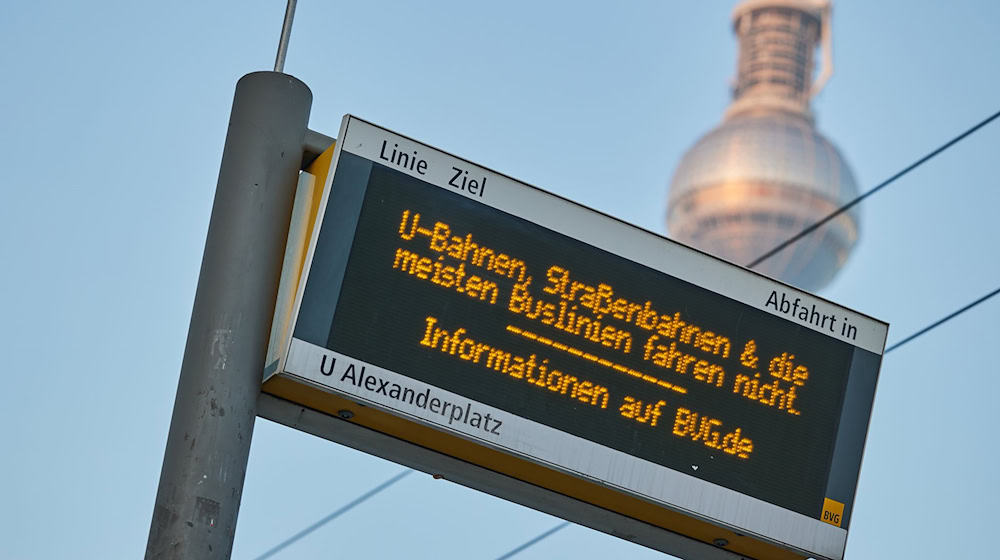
x=833 y=512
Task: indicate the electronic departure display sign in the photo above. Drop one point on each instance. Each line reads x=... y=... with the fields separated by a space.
x=564 y=343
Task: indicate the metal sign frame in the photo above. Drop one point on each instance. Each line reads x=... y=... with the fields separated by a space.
x=531 y=463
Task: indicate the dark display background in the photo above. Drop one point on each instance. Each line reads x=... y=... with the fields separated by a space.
x=377 y=314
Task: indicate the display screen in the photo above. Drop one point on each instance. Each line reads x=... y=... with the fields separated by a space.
x=435 y=285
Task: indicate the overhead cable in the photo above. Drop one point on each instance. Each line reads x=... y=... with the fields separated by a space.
x=342 y=510
x=941 y=321
x=871 y=191
x=534 y=540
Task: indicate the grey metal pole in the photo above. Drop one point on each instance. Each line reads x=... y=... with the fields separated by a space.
x=208 y=444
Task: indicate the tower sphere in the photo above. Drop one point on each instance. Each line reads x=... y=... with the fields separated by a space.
x=765 y=173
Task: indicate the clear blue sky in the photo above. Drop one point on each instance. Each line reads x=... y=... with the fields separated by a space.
x=113 y=120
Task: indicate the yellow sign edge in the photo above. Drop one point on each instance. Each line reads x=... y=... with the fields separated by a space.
x=310 y=397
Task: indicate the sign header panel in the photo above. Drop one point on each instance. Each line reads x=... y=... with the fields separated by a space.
x=458 y=298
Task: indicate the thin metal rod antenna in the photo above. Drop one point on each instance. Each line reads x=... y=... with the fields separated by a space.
x=286 y=32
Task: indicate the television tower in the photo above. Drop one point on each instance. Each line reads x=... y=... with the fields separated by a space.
x=765 y=173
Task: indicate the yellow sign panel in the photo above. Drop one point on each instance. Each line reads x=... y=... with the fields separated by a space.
x=833 y=512
x=308 y=195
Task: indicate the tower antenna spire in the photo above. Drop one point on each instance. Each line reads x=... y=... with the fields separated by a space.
x=765 y=172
